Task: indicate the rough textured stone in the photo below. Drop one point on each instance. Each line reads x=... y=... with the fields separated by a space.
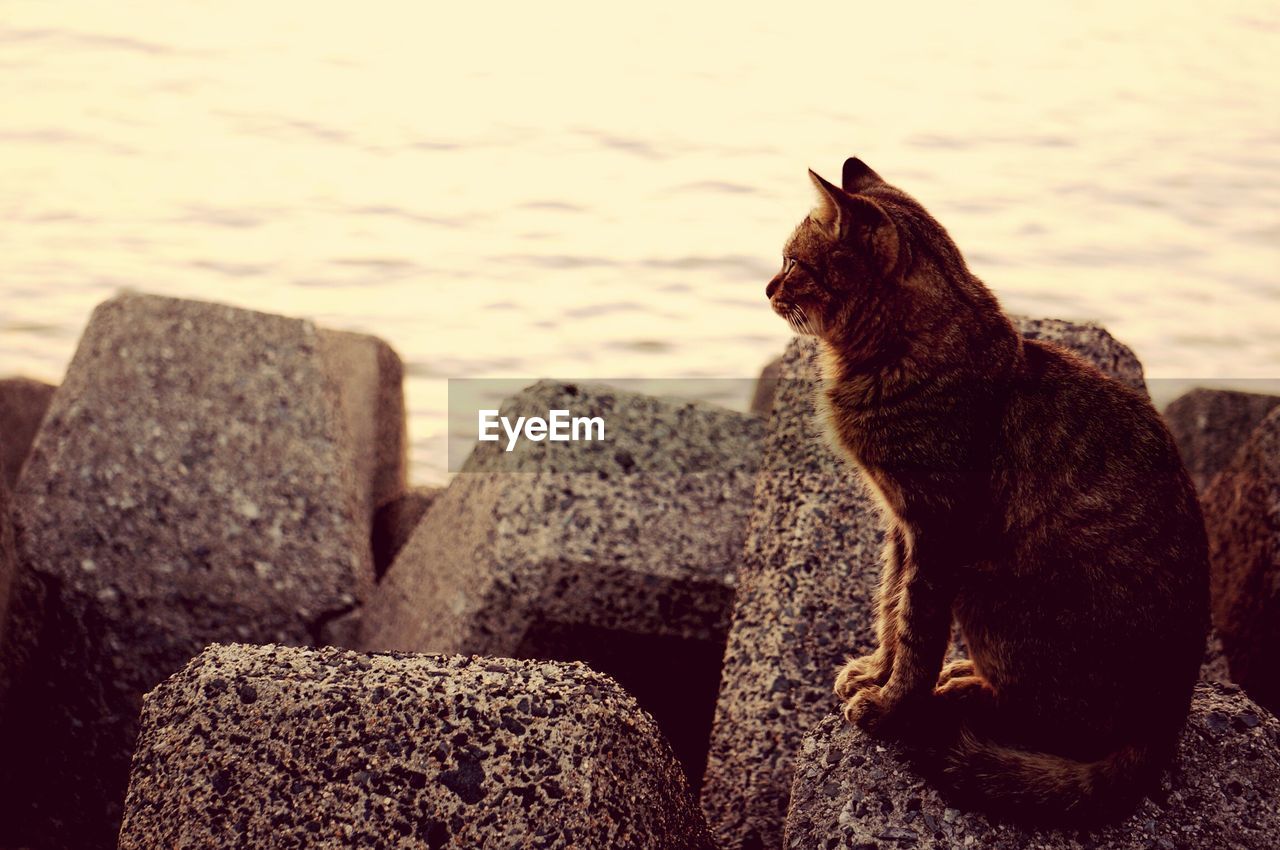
x=852 y=791
x=1090 y=341
x=766 y=387
x=23 y=402
x=626 y=563
x=269 y=747
x=394 y=522
x=806 y=596
x=21 y=600
x=1214 y=668
x=7 y=560
x=370 y=379
x=1242 y=517
x=8 y=567
x=1210 y=425
x=193 y=482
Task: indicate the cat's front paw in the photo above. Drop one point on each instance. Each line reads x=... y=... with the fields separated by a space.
x=871 y=710
x=866 y=708
x=859 y=673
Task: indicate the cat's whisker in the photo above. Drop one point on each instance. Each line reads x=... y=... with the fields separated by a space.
x=798 y=322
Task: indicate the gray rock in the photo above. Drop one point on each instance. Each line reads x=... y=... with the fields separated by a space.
x=1214 y=668
x=786 y=639
x=8 y=568
x=21 y=600
x=1090 y=341
x=23 y=402
x=766 y=387
x=8 y=563
x=806 y=596
x=370 y=379
x=1242 y=518
x=620 y=553
x=394 y=522
x=1223 y=792
x=269 y=747
x=193 y=481
x=1210 y=426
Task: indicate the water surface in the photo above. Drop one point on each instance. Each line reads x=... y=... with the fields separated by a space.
x=559 y=190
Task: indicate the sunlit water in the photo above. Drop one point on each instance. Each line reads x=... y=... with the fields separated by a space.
x=549 y=190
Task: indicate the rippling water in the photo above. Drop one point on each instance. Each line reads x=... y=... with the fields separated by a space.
x=554 y=190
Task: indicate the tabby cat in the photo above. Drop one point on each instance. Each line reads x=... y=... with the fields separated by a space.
x=1036 y=503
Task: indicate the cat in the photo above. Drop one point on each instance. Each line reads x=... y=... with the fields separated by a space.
x=1036 y=503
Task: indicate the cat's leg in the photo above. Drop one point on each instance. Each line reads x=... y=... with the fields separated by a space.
x=924 y=632
x=874 y=669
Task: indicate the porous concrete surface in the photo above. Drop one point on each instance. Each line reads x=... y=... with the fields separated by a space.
x=556 y=549
x=1210 y=426
x=766 y=387
x=8 y=568
x=21 y=601
x=271 y=747
x=23 y=402
x=806 y=595
x=1092 y=342
x=1242 y=517
x=1214 y=668
x=1221 y=793
x=370 y=379
x=394 y=522
x=192 y=482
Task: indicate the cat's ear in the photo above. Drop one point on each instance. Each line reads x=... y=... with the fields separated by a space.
x=830 y=202
x=857 y=176
x=872 y=227
x=857 y=219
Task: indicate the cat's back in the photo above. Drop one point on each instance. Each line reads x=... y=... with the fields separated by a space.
x=1093 y=453
x=1069 y=409
x=1103 y=527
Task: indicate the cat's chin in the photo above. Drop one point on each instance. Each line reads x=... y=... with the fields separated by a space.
x=799 y=322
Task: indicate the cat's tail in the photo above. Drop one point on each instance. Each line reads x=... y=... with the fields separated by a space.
x=1029 y=785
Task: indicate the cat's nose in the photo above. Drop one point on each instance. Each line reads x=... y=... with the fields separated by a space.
x=773 y=286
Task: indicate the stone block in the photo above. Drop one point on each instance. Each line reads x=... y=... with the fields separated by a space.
x=1242 y=518
x=1090 y=341
x=1223 y=791
x=193 y=481
x=766 y=387
x=270 y=747
x=395 y=521
x=1211 y=425
x=620 y=553
x=8 y=569
x=23 y=402
x=806 y=594
x=370 y=378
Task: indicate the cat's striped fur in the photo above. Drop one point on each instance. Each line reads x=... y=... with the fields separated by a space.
x=1037 y=504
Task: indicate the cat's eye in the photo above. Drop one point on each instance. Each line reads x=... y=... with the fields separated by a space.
x=788 y=264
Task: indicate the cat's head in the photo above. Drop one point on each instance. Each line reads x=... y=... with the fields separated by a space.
x=866 y=254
